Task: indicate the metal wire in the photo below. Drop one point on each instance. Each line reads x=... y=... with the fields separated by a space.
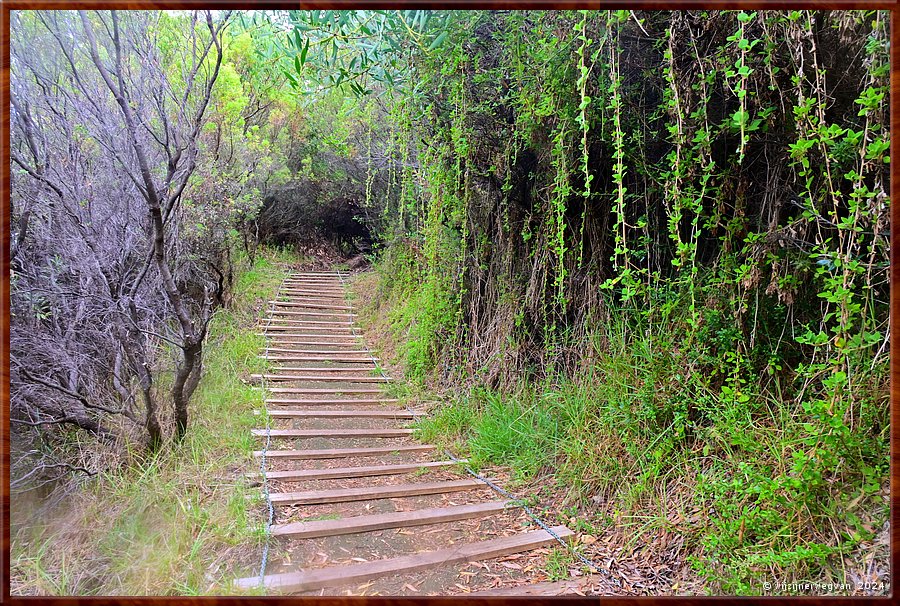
x=262 y=462
x=521 y=503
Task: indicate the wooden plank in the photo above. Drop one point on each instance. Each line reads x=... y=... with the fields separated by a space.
x=309 y=305
x=336 y=576
x=323 y=390
x=340 y=359
x=281 y=339
x=340 y=453
x=313 y=322
x=324 y=369
x=398 y=519
x=336 y=330
x=367 y=493
x=318 y=300
x=281 y=350
x=288 y=312
x=321 y=402
x=304 y=325
x=343 y=414
x=322 y=343
x=312 y=351
x=332 y=433
x=543 y=589
x=352 y=472
x=321 y=378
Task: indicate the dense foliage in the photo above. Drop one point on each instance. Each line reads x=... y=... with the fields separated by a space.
x=699 y=197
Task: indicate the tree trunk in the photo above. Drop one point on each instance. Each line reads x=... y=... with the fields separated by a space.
x=187 y=376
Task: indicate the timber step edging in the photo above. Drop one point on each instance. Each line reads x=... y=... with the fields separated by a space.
x=336 y=576
x=321 y=378
x=397 y=519
x=344 y=414
x=341 y=453
x=366 y=471
x=371 y=493
x=332 y=402
x=332 y=433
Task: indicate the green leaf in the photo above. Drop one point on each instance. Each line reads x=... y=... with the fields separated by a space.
x=303 y=52
x=438 y=41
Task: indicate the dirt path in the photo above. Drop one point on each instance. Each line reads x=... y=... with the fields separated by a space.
x=360 y=506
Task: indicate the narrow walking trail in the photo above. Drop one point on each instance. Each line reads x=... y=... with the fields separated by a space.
x=359 y=505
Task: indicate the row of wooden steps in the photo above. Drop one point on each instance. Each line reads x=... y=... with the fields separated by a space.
x=311 y=339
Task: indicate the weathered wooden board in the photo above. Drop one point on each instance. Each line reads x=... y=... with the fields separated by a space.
x=336 y=576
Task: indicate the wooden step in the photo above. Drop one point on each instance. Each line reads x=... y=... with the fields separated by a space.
x=282 y=340
x=282 y=326
x=542 y=589
x=323 y=390
x=398 y=519
x=292 y=322
x=321 y=378
x=320 y=352
x=351 y=472
x=280 y=337
x=335 y=402
x=336 y=330
x=323 y=369
x=332 y=433
x=321 y=343
x=340 y=453
x=317 y=353
x=343 y=414
x=342 y=352
x=340 y=359
x=367 y=493
x=287 y=312
x=336 y=576
x=310 y=305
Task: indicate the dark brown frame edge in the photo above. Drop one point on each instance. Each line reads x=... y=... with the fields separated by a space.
x=5 y=7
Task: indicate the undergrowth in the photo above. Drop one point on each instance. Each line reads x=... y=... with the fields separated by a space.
x=671 y=429
x=178 y=522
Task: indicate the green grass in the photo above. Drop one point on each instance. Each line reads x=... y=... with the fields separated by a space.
x=558 y=564
x=178 y=522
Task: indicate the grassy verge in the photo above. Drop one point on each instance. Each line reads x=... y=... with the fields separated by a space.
x=640 y=445
x=179 y=522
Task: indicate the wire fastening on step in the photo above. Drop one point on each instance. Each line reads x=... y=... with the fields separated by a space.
x=262 y=460
x=521 y=502
x=587 y=562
